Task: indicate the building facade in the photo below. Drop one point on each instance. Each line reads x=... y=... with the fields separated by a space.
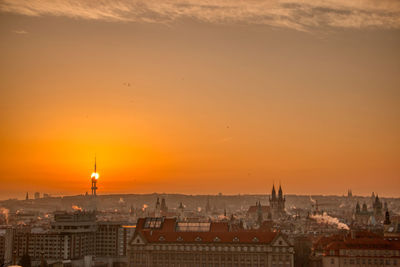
x=360 y=249
x=277 y=203
x=168 y=242
x=73 y=236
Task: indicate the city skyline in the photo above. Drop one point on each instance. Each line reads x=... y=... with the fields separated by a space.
x=200 y=97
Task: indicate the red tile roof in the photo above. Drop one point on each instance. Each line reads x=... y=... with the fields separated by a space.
x=323 y=241
x=219 y=232
x=361 y=243
x=219 y=227
x=209 y=237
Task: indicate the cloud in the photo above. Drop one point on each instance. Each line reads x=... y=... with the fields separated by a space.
x=300 y=15
x=20 y=32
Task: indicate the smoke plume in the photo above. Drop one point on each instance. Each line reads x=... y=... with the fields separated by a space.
x=77 y=208
x=326 y=219
x=5 y=212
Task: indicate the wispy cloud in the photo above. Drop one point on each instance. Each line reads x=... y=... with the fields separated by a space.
x=20 y=32
x=294 y=14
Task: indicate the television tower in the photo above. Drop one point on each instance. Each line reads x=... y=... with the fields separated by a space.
x=94 y=177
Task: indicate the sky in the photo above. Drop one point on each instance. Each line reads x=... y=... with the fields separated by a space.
x=200 y=97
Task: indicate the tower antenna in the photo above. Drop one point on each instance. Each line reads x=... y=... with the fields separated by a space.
x=95 y=176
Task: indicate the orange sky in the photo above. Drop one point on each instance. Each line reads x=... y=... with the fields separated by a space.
x=210 y=107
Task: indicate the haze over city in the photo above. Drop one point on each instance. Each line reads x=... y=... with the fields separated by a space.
x=213 y=133
x=200 y=97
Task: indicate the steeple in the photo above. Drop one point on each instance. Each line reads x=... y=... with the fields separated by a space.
x=387 y=218
x=364 y=207
x=280 y=194
x=208 y=206
x=259 y=215
x=358 y=209
x=158 y=203
x=157 y=210
x=273 y=195
x=181 y=210
x=164 y=207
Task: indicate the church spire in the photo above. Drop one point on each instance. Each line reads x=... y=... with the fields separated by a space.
x=273 y=195
x=280 y=193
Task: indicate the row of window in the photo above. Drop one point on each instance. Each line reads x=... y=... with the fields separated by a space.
x=210 y=248
x=207 y=257
x=365 y=252
x=370 y=261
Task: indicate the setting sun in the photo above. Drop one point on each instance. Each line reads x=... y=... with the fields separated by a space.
x=95 y=175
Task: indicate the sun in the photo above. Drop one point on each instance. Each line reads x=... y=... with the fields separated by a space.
x=95 y=175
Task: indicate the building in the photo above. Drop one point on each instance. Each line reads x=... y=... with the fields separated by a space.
x=277 y=203
x=161 y=209
x=6 y=238
x=378 y=208
x=164 y=207
x=37 y=195
x=208 y=206
x=72 y=237
x=253 y=213
x=112 y=239
x=357 y=249
x=168 y=242
x=349 y=193
x=362 y=215
x=275 y=210
x=392 y=228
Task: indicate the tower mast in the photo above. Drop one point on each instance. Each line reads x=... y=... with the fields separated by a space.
x=94 y=177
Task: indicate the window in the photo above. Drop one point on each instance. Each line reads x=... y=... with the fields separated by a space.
x=153 y=223
x=193 y=227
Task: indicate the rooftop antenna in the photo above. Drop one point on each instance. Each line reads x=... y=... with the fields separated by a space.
x=95 y=163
